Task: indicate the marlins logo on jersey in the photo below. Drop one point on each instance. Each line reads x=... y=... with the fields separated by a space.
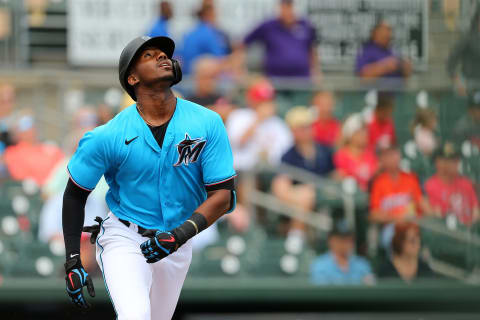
x=189 y=150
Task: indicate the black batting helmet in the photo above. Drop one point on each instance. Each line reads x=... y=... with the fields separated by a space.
x=134 y=47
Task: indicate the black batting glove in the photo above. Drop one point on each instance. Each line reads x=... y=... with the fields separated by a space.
x=76 y=279
x=94 y=230
x=160 y=245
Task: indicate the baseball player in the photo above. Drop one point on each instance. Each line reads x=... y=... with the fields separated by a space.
x=169 y=166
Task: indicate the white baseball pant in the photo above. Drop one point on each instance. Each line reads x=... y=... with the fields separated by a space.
x=139 y=290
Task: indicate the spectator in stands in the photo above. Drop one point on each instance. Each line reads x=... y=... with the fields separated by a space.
x=405 y=263
x=326 y=129
x=377 y=60
x=256 y=133
x=30 y=159
x=354 y=158
x=340 y=266
x=466 y=53
x=160 y=27
x=205 y=39
x=257 y=136
x=395 y=195
x=381 y=128
x=205 y=76
x=290 y=44
x=305 y=154
x=468 y=126
x=424 y=128
x=448 y=191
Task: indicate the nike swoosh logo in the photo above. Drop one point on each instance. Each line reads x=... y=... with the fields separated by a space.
x=127 y=142
x=172 y=239
x=73 y=255
x=71 y=281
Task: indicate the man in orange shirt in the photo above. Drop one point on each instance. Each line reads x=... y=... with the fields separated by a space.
x=395 y=194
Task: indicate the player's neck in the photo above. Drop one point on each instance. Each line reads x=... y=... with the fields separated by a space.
x=156 y=107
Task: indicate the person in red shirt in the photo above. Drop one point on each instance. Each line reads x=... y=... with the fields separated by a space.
x=326 y=129
x=395 y=194
x=381 y=129
x=354 y=159
x=29 y=159
x=448 y=191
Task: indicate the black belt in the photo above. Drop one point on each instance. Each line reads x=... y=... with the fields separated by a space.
x=141 y=230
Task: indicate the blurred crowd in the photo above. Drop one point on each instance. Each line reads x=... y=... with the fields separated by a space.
x=361 y=148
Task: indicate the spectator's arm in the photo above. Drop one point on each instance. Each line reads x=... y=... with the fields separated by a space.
x=379 y=216
x=264 y=111
x=425 y=206
x=379 y=68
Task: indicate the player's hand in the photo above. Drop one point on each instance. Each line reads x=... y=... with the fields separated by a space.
x=76 y=279
x=160 y=245
x=94 y=230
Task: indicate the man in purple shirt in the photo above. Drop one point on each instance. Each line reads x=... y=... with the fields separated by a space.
x=376 y=59
x=289 y=44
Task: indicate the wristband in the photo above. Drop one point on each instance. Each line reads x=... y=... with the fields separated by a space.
x=194 y=225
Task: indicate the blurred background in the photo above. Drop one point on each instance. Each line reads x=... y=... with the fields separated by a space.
x=355 y=128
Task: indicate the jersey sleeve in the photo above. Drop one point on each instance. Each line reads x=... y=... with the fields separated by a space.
x=91 y=159
x=217 y=158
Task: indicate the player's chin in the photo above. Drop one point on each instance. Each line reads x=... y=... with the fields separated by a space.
x=166 y=77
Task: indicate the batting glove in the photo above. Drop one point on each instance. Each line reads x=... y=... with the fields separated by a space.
x=76 y=279
x=160 y=245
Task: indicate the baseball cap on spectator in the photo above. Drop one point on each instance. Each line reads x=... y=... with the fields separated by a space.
x=299 y=116
x=353 y=123
x=341 y=229
x=474 y=100
x=261 y=91
x=447 y=150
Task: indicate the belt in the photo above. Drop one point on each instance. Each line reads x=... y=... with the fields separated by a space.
x=140 y=230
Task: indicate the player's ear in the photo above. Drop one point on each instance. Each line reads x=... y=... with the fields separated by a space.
x=132 y=79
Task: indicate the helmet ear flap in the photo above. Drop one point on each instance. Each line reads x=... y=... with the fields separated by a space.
x=177 y=72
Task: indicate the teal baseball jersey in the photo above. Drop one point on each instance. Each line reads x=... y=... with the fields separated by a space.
x=156 y=188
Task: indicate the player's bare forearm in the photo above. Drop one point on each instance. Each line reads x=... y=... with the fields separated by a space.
x=216 y=205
